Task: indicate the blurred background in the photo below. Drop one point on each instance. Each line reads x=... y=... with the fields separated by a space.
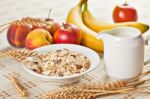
x=102 y=9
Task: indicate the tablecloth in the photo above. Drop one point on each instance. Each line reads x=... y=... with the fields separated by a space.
x=14 y=9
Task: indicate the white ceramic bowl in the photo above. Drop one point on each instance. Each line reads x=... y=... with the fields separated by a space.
x=90 y=54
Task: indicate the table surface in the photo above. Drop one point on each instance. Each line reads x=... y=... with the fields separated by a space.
x=15 y=9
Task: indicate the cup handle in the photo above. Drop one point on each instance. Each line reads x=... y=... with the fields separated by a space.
x=146 y=39
x=146 y=61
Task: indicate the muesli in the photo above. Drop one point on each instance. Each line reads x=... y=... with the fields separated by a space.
x=61 y=62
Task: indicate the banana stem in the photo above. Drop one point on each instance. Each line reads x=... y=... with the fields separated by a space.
x=81 y=2
x=85 y=5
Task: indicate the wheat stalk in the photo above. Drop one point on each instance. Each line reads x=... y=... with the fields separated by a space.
x=34 y=22
x=73 y=90
x=140 y=76
x=103 y=86
x=18 y=87
x=5 y=26
x=21 y=54
x=93 y=90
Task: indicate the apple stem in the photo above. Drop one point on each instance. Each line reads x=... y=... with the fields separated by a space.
x=49 y=13
x=125 y=3
x=64 y=26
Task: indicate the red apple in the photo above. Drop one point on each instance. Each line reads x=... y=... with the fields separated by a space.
x=53 y=25
x=124 y=13
x=68 y=33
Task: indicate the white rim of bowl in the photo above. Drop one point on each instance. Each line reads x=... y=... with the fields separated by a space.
x=64 y=77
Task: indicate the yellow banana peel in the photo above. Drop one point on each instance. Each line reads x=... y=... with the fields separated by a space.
x=88 y=36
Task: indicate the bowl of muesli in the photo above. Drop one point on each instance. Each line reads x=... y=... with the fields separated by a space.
x=62 y=63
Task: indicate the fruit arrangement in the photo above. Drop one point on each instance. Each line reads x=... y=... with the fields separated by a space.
x=35 y=32
x=90 y=26
x=19 y=29
x=81 y=27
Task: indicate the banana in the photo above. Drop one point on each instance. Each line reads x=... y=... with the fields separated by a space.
x=88 y=36
x=97 y=25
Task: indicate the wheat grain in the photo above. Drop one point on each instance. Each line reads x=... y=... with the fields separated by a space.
x=76 y=90
x=18 y=87
x=35 y=22
x=21 y=54
x=104 y=86
x=93 y=90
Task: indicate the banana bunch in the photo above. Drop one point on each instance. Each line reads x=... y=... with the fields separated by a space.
x=90 y=26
